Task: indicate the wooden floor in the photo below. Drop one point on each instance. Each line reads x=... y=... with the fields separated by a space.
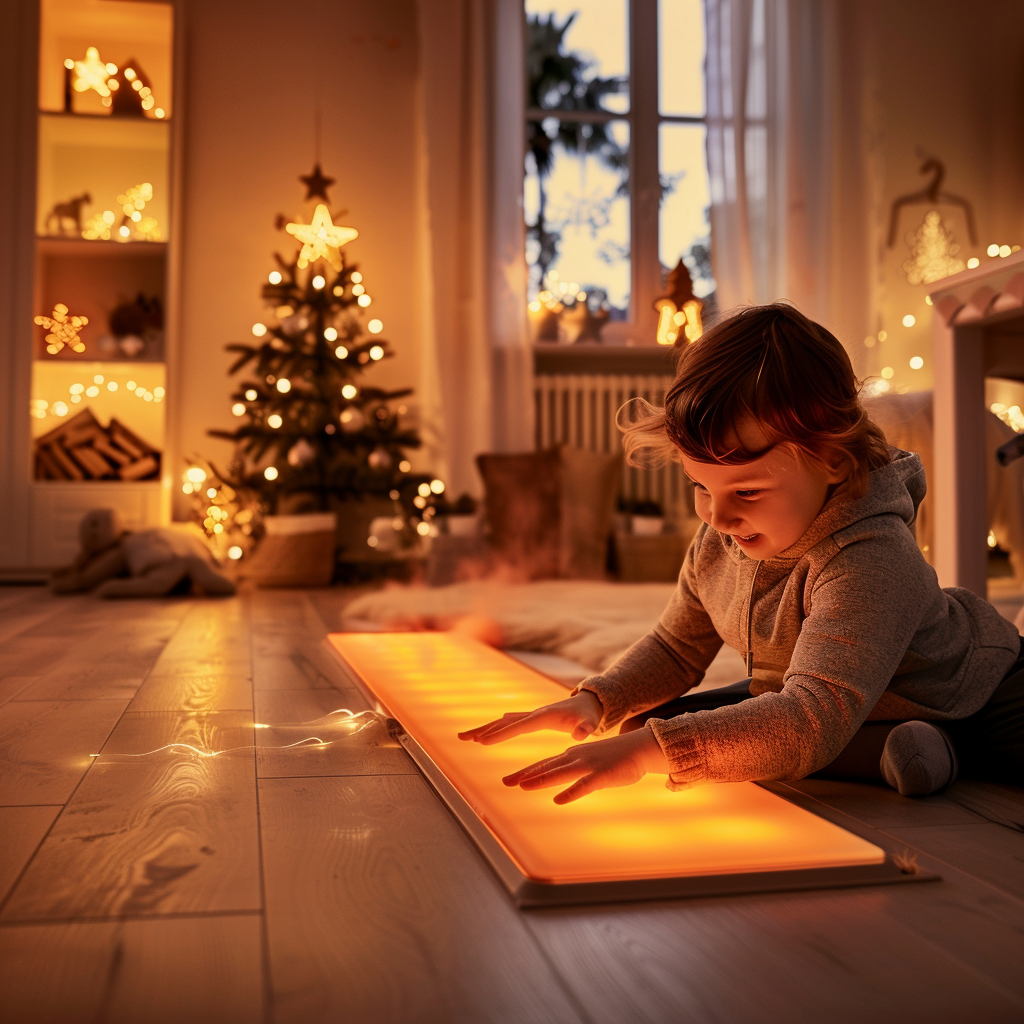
x=299 y=885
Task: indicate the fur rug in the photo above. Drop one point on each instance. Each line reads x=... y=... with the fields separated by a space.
x=585 y=621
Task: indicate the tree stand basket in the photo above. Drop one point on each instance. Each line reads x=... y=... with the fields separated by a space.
x=297 y=551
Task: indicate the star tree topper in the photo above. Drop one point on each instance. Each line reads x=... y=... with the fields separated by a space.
x=321 y=239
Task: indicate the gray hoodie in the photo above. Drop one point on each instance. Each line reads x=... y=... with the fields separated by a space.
x=846 y=625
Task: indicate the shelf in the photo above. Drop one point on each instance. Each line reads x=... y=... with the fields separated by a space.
x=54 y=245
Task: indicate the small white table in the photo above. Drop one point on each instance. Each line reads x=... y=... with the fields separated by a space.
x=978 y=333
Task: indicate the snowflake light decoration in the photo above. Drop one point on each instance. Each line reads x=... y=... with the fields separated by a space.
x=63 y=330
x=321 y=239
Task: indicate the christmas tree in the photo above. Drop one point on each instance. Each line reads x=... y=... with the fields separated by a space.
x=313 y=433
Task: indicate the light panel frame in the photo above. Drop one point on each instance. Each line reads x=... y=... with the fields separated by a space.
x=636 y=842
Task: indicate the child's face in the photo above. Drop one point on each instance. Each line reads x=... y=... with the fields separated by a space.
x=766 y=505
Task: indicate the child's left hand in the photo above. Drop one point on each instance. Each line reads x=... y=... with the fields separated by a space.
x=617 y=761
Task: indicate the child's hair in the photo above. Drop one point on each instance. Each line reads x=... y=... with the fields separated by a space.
x=775 y=366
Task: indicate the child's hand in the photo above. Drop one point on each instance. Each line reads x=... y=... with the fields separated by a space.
x=579 y=715
x=617 y=761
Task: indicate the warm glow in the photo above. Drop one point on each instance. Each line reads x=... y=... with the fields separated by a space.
x=63 y=329
x=928 y=299
x=275 y=421
x=882 y=335
x=1004 y=251
x=234 y=552
x=909 y=320
x=112 y=385
x=887 y=372
x=321 y=238
x=424 y=490
x=259 y=330
x=364 y=300
x=270 y=473
x=437 y=486
x=992 y=539
x=92 y=73
x=238 y=409
x=973 y=262
x=358 y=289
x=349 y=391
x=404 y=466
x=195 y=474
x=251 y=395
x=376 y=352
x=356 y=277
x=423 y=529
x=341 y=352
x=319 y=281
x=330 y=334
x=437 y=684
x=916 y=362
x=274 y=277
x=375 y=326
x=993 y=249
x=284 y=385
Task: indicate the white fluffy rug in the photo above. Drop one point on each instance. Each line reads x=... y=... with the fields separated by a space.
x=587 y=622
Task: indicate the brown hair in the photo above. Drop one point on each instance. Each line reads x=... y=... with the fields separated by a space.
x=774 y=365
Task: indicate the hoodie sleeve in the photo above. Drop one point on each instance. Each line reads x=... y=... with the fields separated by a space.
x=665 y=663
x=860 y=622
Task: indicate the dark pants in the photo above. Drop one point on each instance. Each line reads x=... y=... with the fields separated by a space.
x=989 y=744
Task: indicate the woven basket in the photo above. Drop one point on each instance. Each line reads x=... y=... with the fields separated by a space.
x=297 y=551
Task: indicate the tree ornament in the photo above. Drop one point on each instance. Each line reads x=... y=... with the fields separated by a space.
x=300 y=453
x=379 y=458
x=317 y=183
x=321 y=239
x=352 y=420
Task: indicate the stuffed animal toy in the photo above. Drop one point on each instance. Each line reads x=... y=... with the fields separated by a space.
x=147 y=563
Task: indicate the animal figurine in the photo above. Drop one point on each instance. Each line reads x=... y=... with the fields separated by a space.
x=70 y=210
x=147 y=563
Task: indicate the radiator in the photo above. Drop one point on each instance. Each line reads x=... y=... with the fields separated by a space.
x=579 y=410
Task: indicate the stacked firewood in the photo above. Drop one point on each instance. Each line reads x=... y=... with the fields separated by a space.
x=82 y=449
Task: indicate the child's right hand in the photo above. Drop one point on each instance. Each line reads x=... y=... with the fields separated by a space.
x=579 y=715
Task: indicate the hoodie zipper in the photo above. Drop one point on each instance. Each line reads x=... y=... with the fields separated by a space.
x=750 y=622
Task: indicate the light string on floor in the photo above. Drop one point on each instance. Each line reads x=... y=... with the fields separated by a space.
x=351 y=722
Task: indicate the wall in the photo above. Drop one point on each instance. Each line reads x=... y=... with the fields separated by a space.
x=251 y=73
x=950 y=83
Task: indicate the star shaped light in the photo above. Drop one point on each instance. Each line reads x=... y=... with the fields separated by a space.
x=317 y=183
x=64 y=329
x=321 y=239
x=92 y=73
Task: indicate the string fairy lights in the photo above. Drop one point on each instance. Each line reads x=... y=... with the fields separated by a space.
x=78 y=392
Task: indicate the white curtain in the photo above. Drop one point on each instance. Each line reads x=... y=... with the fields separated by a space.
x=476 y=386
x=792 y=155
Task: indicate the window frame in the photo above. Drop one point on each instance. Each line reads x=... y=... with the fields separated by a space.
x=644 y=119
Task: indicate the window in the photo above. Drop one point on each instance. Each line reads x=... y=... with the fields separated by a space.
x=616 y=183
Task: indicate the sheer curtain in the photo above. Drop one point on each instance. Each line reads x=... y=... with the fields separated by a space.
x=792 y=156
x=476 y=386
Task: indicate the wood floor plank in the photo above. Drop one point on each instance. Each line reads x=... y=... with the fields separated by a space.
x=45 y=746
x=362 y=747
x=879 y=806
x=33 y=656
x=12 y=686
x=1003 y=805
x=203 y=970
x=169 y=832
x=96 y=682
x=27 y=607
x=198 y=691
x=990 y=852
x=380 y=910
x=22 y=829
x=297 y=661
x=836 y=957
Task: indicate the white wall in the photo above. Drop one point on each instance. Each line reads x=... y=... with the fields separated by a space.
x=950 y=83
x=247 y=103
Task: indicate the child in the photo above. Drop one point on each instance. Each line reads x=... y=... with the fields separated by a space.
x=807 y=564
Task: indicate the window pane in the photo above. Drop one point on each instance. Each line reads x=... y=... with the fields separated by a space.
x=681 y=57
x=577 y=212
x=576 y=55
x=685 y=230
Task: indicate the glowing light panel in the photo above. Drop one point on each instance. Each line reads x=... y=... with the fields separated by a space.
x=437 y=684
